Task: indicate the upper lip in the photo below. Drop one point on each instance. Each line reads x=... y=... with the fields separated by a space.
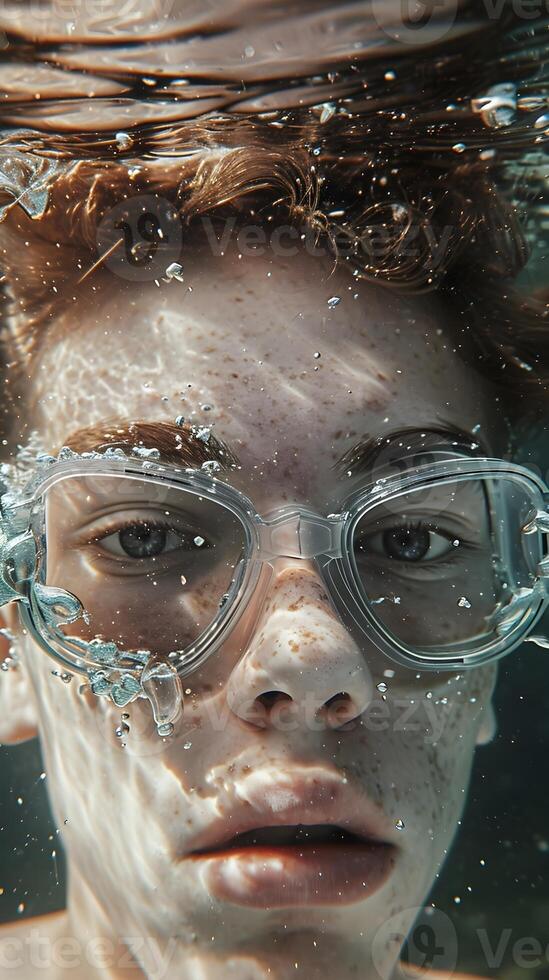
x=271 y=798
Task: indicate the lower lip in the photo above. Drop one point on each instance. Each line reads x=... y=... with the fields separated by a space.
x=298 y=875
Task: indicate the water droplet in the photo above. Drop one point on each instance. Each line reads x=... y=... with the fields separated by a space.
x=459 y=147
x=316 y=354
x=198 y=541
x=463 y=602
x=121 y=730
x=187 y=745
x=542 y=121
x=63 y=676
x=145 y=453
x=333 y=302
x=211 y=466
x=180 y=421
x=456 y=542
x=124 y=141
x=498 y=106
x=399 y=824
x=174 y=271
x=249 y=51
x=382 y=687
x=165 y=730
x=328 y=110
x=390 y=76
x=183 y=580
x=202 y=432
x=21 y=907
x=429 y=695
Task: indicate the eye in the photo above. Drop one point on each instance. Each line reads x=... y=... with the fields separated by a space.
x=141 y=540
x=406 y=543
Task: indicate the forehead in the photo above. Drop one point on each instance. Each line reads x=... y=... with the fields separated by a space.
x=290 y=361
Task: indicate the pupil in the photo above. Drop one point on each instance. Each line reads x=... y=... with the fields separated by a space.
x=406 y=543
x=143 y=541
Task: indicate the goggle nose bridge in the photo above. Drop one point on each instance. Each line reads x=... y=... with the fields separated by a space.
x=296 y=532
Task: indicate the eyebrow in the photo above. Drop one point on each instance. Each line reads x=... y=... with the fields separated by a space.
x=191 y=445
x=185 y=445
x=399 y=443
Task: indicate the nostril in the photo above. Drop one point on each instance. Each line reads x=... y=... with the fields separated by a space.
x=271 y=698
x=338 y=709
x=341 y=696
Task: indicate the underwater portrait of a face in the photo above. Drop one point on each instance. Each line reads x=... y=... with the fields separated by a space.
x=273 y=508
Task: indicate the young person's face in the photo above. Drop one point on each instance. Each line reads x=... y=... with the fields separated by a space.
x=245 y=341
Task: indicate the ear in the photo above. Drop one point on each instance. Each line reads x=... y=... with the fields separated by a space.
x=17 y=705
x=488 y=725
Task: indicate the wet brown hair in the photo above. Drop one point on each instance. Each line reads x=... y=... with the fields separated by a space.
x=407 y=181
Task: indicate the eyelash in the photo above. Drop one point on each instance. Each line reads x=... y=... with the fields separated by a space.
x=465 y=547
x=156 y=525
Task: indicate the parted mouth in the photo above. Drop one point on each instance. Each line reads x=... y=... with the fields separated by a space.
x=298 y=808
x=293 y=835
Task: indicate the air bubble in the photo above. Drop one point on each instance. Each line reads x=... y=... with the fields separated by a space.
x=165 y=730
x=328 y=110
x=145 y=453
x=187 y=745
x=211 y=466
x=463 y=602
x=459 y=147
x=198 y=541
x=382 y=687
x=202 y=432
x=333 y=302
x=121 y=730
x=124 y=141
x=174 y=271
x=399 y=824
x=498 y=106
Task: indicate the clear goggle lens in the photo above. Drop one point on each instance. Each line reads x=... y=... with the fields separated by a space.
x=445 y=567
x=150 y=564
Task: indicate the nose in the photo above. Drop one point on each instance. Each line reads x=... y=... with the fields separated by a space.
x=301 y=662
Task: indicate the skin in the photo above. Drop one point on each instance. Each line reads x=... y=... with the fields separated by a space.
x=243 y=342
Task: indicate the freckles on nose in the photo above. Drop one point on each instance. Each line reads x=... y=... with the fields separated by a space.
x=301 y=650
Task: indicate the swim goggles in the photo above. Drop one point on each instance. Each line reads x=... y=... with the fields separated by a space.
x=134 y=572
